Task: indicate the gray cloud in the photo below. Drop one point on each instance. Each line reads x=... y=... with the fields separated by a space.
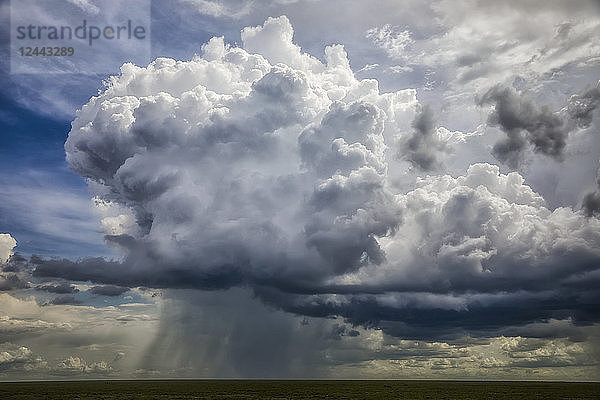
x=524 y=124
x=528 y=125
x=15 y=271
x=337 y=331
x=422 y=146
x=130 y=273
x=19 y=359
x=108 y=290
x=62 y=300
x=477 y=44
x=591 y=201
x=16 y=263
x=12 y=282
x=61 y=288
x=581 y=106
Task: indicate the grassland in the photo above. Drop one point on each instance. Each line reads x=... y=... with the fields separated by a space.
x=299 y=389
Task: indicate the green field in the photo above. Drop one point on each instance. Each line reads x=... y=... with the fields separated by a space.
x=297 y=389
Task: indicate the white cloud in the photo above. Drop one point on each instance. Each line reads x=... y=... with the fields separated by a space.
x=15 y=326
x=485 y=226
x=273 y=40
x=391 y=39
x=19 y=359
x=309 y=124
x=368 y=67
x=74 y=365
x=7 y=243
x=221 y=8
x=478 y=43
x=86 y=6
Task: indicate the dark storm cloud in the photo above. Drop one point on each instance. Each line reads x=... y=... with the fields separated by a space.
x=425 y=311
x=12 y=282
x=129 y=273
x=15 y=263
x=408 y=315
x=63 y=300
x=108 y=290
x=337 y=331
x=524 y=124
x=14 y=273
x=591 y=203
x=421 y=147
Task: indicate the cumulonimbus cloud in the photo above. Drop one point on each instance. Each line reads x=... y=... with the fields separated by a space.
x=262 y=166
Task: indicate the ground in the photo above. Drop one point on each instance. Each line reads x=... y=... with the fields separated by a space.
x=298 y=389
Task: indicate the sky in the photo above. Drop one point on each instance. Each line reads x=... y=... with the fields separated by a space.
x=302 y=189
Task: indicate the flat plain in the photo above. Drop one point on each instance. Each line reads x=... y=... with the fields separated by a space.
x=296 y=389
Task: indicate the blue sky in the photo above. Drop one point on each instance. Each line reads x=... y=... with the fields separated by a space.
x=34 y=166
x=36 y=114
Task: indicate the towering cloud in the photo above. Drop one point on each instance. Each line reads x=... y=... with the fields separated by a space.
x=238 y=169
x=261 y=166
